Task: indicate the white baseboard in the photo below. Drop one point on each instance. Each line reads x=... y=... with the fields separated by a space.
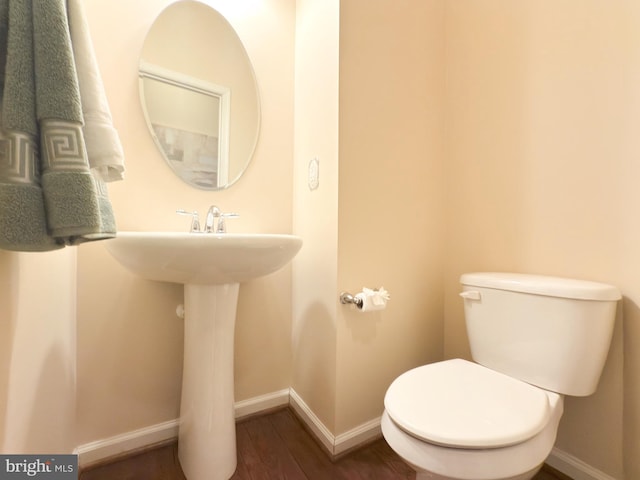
x=99 y=450
x=315 y=425
x=262 y=403
x=358 y=436
x=94 y=452
x=335 y=445
x=574 y=467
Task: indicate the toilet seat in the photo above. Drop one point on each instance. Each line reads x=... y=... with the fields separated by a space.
x=457 y=403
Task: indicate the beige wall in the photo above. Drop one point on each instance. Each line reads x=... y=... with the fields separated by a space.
x=350 y=96
x=129 y=339
x=315 y=212
x=390 y=196
x=7 y=308
x=543 y=108
x=37 y=341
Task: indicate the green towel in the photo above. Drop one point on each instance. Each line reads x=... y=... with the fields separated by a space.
x=4 y=31
x=23 y=223
x=48 y=195
x=71 y=196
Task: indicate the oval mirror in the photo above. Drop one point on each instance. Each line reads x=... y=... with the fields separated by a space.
x=199 y=95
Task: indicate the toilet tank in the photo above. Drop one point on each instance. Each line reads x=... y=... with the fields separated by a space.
x=548 y=331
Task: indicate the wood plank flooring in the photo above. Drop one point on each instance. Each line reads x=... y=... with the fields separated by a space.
x=275 y=447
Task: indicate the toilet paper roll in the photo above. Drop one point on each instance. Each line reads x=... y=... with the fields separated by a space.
x=372 y=300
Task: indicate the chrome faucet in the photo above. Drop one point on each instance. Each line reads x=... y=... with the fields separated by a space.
x=210 y=222
x=213 y=213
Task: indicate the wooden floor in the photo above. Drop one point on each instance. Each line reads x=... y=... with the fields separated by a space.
x=272 y=447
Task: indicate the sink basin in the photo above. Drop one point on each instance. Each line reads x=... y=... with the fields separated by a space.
x=207 y=258
x=211 y=268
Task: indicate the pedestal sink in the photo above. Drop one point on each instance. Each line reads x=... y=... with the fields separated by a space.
x=211 y=267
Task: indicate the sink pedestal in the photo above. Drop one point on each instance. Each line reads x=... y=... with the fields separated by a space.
x=211 y=268
x=207 y=433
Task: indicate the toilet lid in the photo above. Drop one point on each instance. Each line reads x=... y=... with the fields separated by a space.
x=462 y=404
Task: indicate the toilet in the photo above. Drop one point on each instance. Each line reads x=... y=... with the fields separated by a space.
x=533 y=340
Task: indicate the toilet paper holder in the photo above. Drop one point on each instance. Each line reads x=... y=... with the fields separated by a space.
x=347 y=298
x=368 y=299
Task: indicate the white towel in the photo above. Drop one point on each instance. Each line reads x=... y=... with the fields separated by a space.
x=106 y=157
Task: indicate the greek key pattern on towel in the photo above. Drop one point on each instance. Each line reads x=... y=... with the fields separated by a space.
x=18 y=158
x=63 y=146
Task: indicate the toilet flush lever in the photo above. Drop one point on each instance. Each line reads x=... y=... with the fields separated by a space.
x=470 y=295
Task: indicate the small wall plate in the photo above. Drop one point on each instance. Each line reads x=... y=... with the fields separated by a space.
x=314 y=173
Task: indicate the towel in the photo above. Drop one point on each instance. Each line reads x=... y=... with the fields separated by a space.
x=23 y=223
x=106 y=157
x=4 y=31
x=48 y=195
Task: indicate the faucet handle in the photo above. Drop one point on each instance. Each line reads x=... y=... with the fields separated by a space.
x=195 y=219
x=222 y=226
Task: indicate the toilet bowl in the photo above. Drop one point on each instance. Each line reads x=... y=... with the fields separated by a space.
x=456 y=420
x=533 y=339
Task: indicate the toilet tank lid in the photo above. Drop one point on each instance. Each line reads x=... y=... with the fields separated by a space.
x=542 y=285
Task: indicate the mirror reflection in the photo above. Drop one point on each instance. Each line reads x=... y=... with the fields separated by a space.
x=199 y=95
